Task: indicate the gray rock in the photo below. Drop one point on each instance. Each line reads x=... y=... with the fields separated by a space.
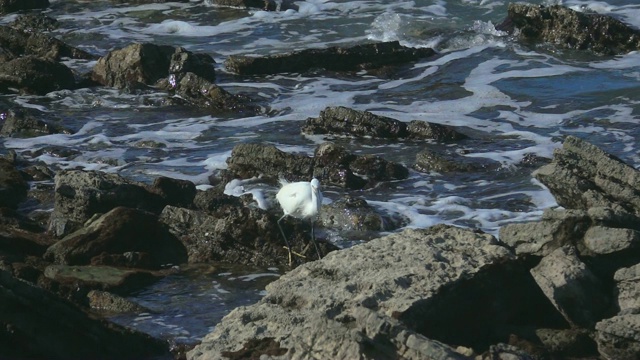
x=583 y=176
x=344 y=121
x=366 y=56
x=105 y=278
x=568 y=343
x=605 y=240
x=570 y=29
x=445 y=161
x=270 y=5
x=557 y=228
x=619 y=337
x=368 y=301
x=106 y=302
x=628 y=288
x=355 y=215
x=22 y=123
x=16 y=43
x=34 y=23
x=572 y=288
x=40 y=325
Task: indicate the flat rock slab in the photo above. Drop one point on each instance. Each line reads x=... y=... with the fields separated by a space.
x=355 y=303
x=120 y=281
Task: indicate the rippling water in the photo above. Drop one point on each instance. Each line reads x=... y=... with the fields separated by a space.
x=512 y=99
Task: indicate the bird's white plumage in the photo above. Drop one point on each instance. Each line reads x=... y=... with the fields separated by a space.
x=301 y=200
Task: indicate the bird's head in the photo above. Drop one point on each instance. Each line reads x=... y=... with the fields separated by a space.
x=315 y=184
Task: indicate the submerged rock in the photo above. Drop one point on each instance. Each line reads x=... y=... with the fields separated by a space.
x=358 y=57
x=269 y=5
x=570 y=29
x=345 y=121
x=34 y=23
x=446 y=161
x=105 y=278
x=23 y=123
x=15 y=43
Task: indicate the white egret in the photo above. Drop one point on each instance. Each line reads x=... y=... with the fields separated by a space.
x=302 y=200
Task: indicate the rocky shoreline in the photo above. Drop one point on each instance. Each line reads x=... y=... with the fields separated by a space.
x=562 y=287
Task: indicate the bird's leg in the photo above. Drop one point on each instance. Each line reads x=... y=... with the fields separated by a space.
x=313 y=238
x=285 y=238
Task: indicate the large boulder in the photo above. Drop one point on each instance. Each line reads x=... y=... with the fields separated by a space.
x=17 y=42
x=144 y=64
x=393 y=297
x=117 y=233
x=37 y=324
x=365 y=56
x=33 y=75
x=344 y=121
x=619 y=337
x=570 y=29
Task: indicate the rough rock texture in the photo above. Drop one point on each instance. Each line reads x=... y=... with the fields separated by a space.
x=13 y=187
x=37 y=324
x=119 y=231
x=106 y=278
x=628 y=289
x=331 y=164
x=34 y=23
x=570 y=29
x=239 y=235
x=349 y=122
x=572 y=288
x=354 y=214
x=32 y=75
x=197 y=91
x=144 y=64
x=107 y=302
x=24 y=123
x=380 y=299
x=366 y=56
x=445 y=161
x=7 y=6
x=619 y=337
x=583 y=176
x=15 y=43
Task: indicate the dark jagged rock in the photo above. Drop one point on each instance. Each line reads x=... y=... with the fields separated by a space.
x=194 y=90
x=34 y=23
x=239 y=235
x=366 y=56
x=174 y=191
x=32 y=75
x=8 y=6
x=139 y=65
x=270 y=5
x=331 y=164
x=16 y=43
x=583 y=176
x=355 y=216
x=445 y=160
x=22 y=123
x=119 y=231
x=13 y=187
x=37 y=324
x=349 y=122
x=570 y=29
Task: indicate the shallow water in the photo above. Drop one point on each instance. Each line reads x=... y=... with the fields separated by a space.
x=512 y=99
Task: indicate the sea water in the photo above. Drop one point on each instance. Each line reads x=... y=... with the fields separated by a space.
x=513 y=100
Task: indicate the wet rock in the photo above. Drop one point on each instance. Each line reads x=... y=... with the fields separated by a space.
x=21 y=123
x=619 y=337
x=572 y=288
x=13 y=187
x=445 y=161
x=174 y=191
x=393 y=297
x=628 y=289
x=140 y=65
x=119 y=231
x=16 y=43
x=345 y=121
x=40 y=325
x=570 y=29
x=8 y=6
x=239 y=235
x=105 y=278
x=81 y=194
x=104 y=301
x=213 y=199
x=355 y=215
x=269 y=5
x=557 y=228
x=331 y=164
x=582 y=176
x=32 y=75
x=366 y=56
x=193 y=90
x=34 y=23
